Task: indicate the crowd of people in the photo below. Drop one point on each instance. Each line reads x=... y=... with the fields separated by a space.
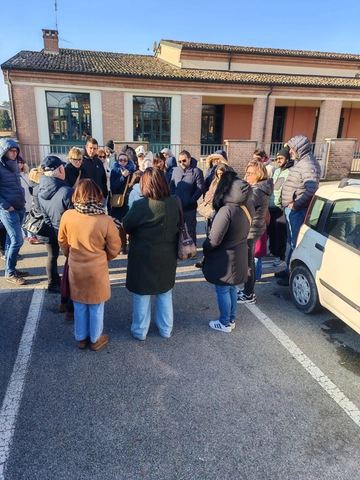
x=102 y=203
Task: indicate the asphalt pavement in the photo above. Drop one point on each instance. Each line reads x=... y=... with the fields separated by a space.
x=275 y=399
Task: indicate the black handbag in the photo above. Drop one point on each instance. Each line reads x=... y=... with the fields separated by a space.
x=35 y=223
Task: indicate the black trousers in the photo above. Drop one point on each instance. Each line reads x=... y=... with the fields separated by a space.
x=51 y=264
x=277 y=235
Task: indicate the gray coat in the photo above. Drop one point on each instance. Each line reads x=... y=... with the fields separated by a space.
x=303 y=179
x=225 y=249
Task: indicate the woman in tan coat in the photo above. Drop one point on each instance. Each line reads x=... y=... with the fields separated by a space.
x=89 y=238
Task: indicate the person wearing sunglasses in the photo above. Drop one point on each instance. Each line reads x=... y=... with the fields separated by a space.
x=103 y=157
x=74 y=170
x=120 y=177
x=187 y=182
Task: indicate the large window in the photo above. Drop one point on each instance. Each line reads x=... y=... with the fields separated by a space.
x=211 y=124
x=152 y=121
x=69 y=117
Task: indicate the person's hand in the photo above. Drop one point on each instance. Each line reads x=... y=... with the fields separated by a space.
x=125 y=173
x=10 y=209
x=291 y=205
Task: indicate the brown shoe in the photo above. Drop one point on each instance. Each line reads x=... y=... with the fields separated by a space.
x=84 y=343
x=69 y=316
x=100 y=342
x=62 y=308
x=15 y=279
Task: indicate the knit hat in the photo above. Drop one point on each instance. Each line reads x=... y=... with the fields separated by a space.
x=110 y=144
x=222 y=153
x=284 y=152
x=140 y=150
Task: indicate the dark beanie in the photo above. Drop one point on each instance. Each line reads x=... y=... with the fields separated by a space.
x=222 y=153
x=284 y=152
x=110 y=144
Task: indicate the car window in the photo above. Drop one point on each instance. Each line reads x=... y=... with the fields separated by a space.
x=343 y=222
x=314 y=213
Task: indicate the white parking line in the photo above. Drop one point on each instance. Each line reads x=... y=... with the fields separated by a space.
x=15 y=388
x=331 y=389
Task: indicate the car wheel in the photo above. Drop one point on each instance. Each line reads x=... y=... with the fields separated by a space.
x=303 y=290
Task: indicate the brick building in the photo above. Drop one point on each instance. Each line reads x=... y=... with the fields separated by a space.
x=186 y=94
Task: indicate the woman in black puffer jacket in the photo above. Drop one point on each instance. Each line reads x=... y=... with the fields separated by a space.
x=262 y=186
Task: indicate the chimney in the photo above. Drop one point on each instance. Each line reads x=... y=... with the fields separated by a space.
x=51 y=41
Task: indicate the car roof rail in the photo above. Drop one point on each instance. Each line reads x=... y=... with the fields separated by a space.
x=344 y=182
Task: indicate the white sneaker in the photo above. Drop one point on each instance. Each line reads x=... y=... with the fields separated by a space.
x=232 y=324
x=216 y=325
x=278 y=262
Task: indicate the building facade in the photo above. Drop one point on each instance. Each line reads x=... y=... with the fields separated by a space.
x=185 y=95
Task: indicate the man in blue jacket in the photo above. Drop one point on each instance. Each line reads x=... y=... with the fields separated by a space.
x=12 y=208
x=187 y=182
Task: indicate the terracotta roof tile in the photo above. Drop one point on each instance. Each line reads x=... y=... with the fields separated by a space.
x=146 y=66
x=264 y=51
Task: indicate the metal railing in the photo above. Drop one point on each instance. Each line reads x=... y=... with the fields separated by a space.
x=34 y=154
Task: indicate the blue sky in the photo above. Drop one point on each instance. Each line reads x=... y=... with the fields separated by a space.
x=132 y=27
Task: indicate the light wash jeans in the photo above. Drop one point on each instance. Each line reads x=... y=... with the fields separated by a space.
x=163 y=316
x=227 y=302
x=12 y=221
x=88 y=321
x=294 y=220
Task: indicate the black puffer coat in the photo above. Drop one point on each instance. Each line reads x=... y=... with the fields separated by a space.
x=225 y=249
x=303 y=179
x=260 y=200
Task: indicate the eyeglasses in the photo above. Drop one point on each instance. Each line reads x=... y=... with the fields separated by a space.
x=76 y=159
x=102 y=156
x=249 y=173
x=182 y=161
x=123 y=160
x=21 y=161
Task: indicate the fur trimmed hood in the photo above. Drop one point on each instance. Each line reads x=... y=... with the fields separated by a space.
x=215 y=156
x=231 y=190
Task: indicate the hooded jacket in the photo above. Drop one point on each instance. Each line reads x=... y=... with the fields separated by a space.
x=170 y=164
x=54 y=197
x=260 y=200
x=225 y=249
x=188 y=185
x=303 y=179
x=11 y=192
x=72 y=174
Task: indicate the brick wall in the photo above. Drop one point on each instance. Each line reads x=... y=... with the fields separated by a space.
x=239 y=152
x=340 y=156
x=113 y=115
x=25 y=112
x=257 y=125
x=328 y=125
x=191 y=108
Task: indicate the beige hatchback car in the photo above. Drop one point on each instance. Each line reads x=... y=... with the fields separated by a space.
x=325 y=265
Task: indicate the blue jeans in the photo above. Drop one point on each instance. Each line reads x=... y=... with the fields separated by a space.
x=227 y=302
x=163 y=316
x=12 y=221
x=88 y=321
x=294 y=220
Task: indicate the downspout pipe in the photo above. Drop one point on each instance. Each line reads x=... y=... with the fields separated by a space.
x=229 y=63
x=266 y=112
x=12 y=105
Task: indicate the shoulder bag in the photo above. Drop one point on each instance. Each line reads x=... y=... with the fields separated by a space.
x=64 y=286
x=117 y=200
x=35 y=223
x=186 y=246
x=206 y=209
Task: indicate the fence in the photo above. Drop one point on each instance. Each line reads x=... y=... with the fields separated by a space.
x=34 y=154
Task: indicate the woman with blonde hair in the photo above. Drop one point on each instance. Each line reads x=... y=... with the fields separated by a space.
x=74 y=170
x=262 y=187
x=89 y=239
